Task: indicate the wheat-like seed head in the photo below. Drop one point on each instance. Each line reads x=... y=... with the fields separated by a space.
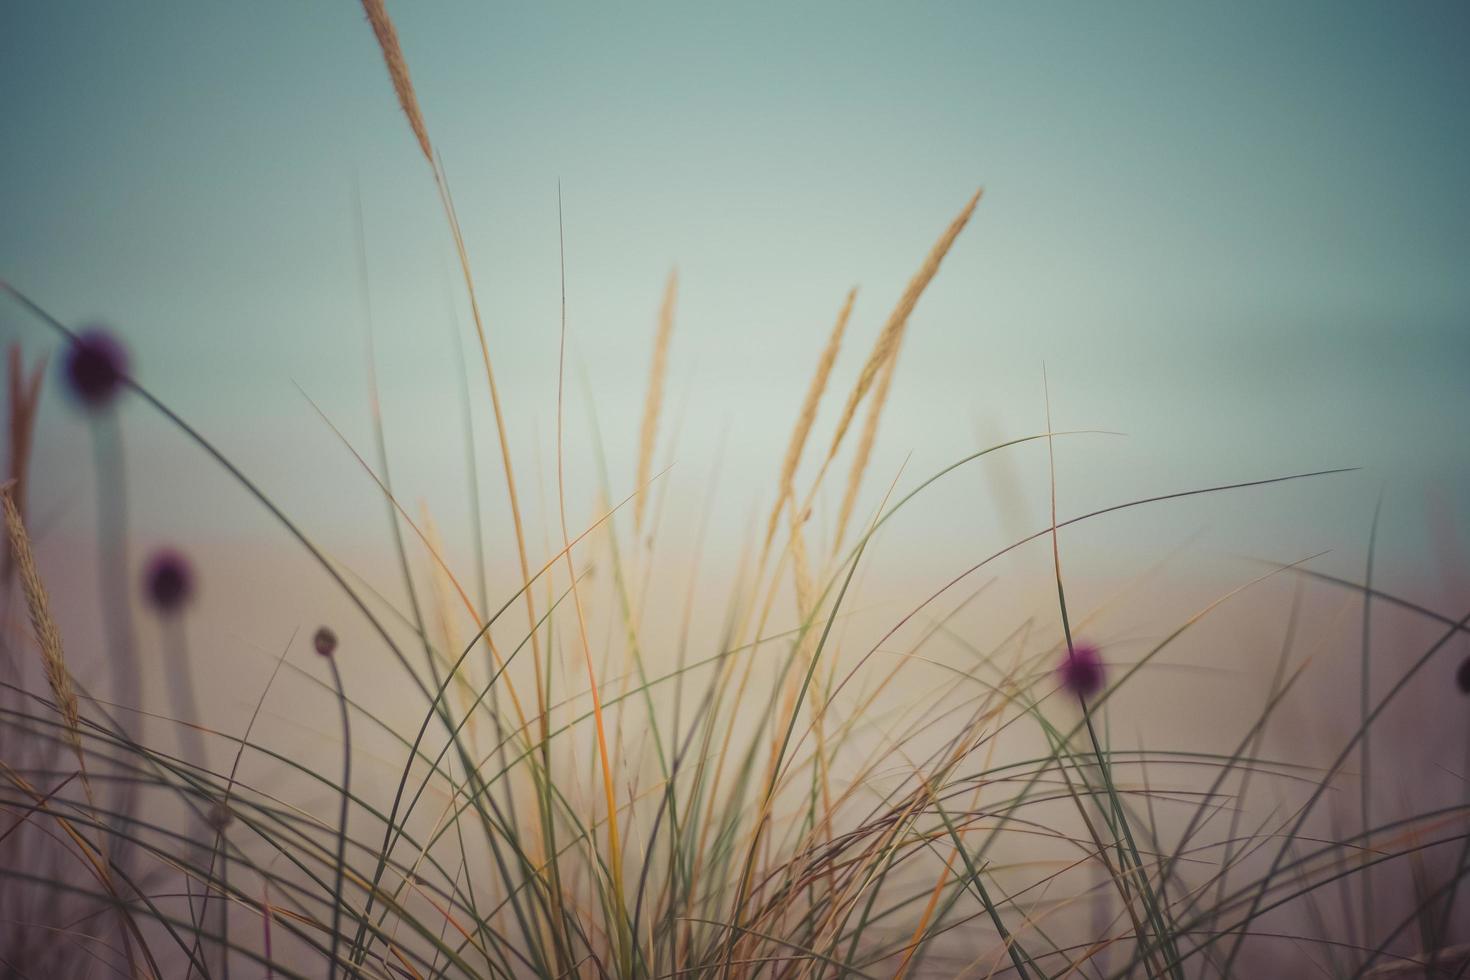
x=806 y=595
x=25 y=393
x=387 y=35
x=444 y=606
x=808 y=414
x=892 y=333
x=42 y=622
x=864 y=448
x=653 y=401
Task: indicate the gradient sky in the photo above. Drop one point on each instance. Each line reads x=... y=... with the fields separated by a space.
x=1239 y=234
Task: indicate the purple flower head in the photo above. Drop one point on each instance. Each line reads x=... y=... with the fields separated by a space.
x=1082 y=670
x=168 y=581
x=325 y=641
x=94 y=367
x=1462 y=676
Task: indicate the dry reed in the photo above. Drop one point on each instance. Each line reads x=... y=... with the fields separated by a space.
x=653 y=401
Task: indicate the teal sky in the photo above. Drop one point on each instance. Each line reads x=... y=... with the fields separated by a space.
x=1239 y=234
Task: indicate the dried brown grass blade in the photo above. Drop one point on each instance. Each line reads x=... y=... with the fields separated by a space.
x=387 y=35
x=94 y=859
x=653 y=401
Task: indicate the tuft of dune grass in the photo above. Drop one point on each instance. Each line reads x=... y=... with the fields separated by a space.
x=387 y=35
x=653 y=400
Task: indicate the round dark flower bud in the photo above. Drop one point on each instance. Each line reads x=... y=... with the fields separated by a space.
x=1081 y=671
x=220 y=817
x=168 y=581
x=94 y=367
x=1462 y=676
x=325 y=641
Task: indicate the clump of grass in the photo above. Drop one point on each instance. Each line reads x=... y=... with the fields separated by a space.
x=789 y=794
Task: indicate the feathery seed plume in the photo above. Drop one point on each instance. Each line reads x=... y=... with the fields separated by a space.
x=892 y=333
x=653 y=401
x=42 y=622
x=814 y=391
x=387 y=35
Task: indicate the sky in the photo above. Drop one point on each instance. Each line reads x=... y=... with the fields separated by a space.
x=1238 y=235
